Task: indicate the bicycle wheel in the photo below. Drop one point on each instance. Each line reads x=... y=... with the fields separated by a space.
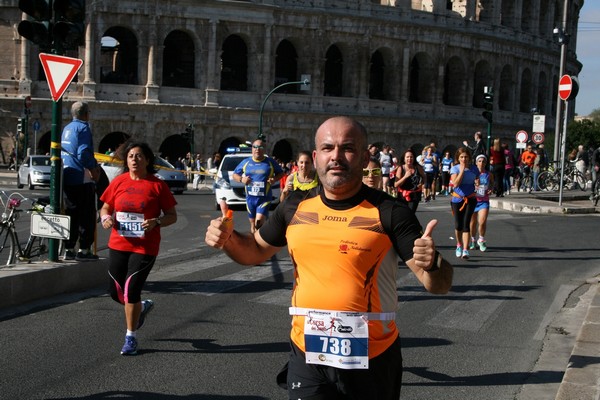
x=36 y=247
x=541 y=180
x=7 y=248
x=579 y=179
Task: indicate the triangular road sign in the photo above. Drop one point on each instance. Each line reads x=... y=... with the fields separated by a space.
x=60 y=71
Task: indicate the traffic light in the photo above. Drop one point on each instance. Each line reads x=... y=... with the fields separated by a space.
x=69 y=30
x=488 y=105
x=20 y=125
x=38 y=30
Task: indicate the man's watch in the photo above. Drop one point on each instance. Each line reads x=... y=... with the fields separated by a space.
x=158 y=222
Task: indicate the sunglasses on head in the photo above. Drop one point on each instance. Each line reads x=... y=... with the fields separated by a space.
x=374 y=171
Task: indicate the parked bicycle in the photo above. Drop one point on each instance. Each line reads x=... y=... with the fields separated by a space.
x=572 y=178
x=11 y=249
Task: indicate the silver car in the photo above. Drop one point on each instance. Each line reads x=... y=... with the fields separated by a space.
x=35 y=171
x=174 y=178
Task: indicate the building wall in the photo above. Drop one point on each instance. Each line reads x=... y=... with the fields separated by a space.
x=437 y=57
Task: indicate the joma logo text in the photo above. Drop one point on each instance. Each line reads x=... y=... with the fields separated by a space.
x=334 y=219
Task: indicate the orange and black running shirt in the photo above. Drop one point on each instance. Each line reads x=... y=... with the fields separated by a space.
x=337 y=248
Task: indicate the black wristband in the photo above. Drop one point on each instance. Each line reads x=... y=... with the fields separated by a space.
x=437 y=262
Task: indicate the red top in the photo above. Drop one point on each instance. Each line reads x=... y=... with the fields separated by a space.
x=148 y=196
x=496 y=157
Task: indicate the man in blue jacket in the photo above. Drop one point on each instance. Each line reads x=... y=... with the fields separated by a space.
x=79 y=169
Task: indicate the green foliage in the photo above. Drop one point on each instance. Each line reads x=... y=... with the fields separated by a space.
x=595 y=115
x=585 y=132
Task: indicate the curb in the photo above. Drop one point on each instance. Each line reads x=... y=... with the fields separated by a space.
x=23 y=283
x=582 y=375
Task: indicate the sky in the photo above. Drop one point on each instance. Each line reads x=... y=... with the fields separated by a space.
x=588 y=36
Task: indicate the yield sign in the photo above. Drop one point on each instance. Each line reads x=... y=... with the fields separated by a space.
x=60 y=71
x=565 y=85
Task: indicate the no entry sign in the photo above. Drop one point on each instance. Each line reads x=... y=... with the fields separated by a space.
x=565 y=85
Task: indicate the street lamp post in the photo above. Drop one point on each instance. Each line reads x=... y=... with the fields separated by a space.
x=262 y=106
x=563 y=40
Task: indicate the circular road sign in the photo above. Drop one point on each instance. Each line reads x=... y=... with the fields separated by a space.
x=522 y=136
x=565 y=85
x=28 y=102
x=538 y=138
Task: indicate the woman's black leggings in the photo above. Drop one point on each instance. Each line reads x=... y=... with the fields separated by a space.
x=128 y=272
x=462 y=218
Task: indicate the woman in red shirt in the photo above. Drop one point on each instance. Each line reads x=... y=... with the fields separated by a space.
x=133 y=204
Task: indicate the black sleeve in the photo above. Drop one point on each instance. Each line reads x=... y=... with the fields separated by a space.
x=400 y=223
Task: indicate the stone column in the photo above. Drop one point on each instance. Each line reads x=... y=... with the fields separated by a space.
x=211 y=98
x=267 y=82
x=89 y=84
x=25 y=81
x=152 y=88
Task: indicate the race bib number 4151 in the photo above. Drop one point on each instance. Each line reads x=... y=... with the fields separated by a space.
x=337 y=339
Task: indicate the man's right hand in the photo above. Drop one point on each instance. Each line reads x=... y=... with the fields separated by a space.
x=220 y=229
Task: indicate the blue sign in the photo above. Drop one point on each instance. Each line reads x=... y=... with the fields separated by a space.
x=36 y=125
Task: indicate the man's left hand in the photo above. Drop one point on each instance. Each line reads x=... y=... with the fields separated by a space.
x=424 y=248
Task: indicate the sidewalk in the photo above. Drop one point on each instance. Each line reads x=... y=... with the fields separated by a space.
x=24 y=283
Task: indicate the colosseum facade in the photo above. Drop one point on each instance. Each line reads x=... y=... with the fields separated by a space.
x=411 y=70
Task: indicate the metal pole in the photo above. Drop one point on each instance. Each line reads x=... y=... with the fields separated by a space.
x=563 y=51
x=562 y=153
x=55 y=172
x=262 y=106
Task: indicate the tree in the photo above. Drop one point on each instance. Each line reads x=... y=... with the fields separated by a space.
x=595 y=115
x=585 y=132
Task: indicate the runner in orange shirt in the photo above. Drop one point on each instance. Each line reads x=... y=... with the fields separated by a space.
x=345 y=341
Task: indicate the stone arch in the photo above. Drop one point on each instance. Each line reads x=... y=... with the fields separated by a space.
x=112 y=141
x=508 y=13
x=227 y=143
x=173 y=147
x=526 y=91
x=43 y=143
x=234 y=64
x=119 y=56
x=421 y=79
x=542 y=93
x=455 y=83
x=286 y=67
x=486 y=11
x=334 y=72
x=505 y=94
x=380 y=75
x=283 y=150
x=482 y=77
x=178 y=60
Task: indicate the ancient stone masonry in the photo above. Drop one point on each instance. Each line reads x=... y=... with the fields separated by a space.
x=411 y=70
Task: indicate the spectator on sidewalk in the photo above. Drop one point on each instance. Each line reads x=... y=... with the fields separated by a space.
x=78 y=160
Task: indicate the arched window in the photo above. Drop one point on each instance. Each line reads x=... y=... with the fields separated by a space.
x=119 y=57
x=334 y=71
x=234 y=64
x=286 y=67
x=178 y=60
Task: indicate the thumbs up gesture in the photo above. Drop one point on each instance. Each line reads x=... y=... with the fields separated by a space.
x=220 y=229
x=424 y=248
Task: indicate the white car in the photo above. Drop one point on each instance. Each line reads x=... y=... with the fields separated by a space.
x=232 y=191
x=174 y=178
x=35 y=171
